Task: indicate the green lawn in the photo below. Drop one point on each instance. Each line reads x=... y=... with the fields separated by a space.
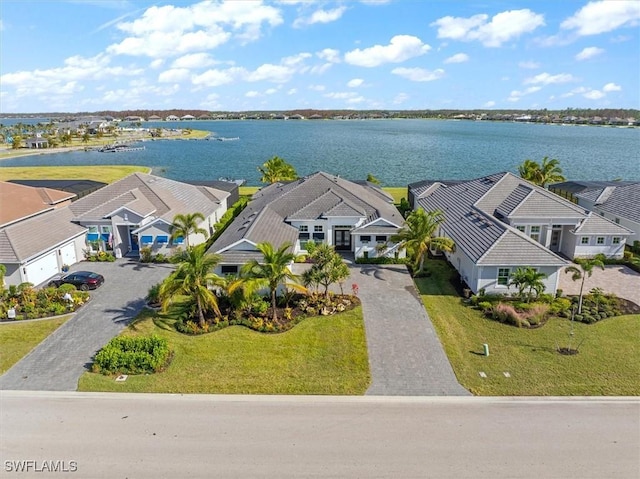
x=104 y=173
x=18 y=338
x=607 y=363
x=321 y=355
x=398 y=192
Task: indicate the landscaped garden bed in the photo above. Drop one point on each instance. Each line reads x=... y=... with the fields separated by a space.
x=25 y=302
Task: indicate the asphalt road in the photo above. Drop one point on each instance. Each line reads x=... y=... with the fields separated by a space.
x=202 y=436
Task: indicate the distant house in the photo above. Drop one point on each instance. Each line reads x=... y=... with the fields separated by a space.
x=137 y=211
x=188 y=117
x=501 y=222
x=619 y=203
x=354 y=217
x=172 y=118
x=154 y=118
x=37 y=142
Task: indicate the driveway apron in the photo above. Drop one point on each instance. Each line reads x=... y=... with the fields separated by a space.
x=405 y=354
x=57 y=363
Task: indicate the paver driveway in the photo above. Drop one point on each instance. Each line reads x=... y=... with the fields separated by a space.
x=59 y=361
x=619 y=280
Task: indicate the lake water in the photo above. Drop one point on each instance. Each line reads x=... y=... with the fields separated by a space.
x=397 y=152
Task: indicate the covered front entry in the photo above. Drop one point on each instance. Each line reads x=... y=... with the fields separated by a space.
x=342 y=239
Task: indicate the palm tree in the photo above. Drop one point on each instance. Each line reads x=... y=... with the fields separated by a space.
x=191 y=282
x=528 y=278
x=272 y=271
x=276 y=169
x=585 y=271
x=418 y=235
x=184 y=225
x=548 y=171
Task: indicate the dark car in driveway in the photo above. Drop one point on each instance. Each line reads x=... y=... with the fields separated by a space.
x=83 y=280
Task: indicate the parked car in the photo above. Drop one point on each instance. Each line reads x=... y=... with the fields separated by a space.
x=83 y=280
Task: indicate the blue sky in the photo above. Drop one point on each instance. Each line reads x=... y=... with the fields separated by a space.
x=90 y=55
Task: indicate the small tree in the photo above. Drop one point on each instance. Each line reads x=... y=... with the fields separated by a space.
x=528 y=279
x=184 y=225
x=276 y=169
x=541 y=174
x=584 y=271
x=373 y=179
x=328 y=268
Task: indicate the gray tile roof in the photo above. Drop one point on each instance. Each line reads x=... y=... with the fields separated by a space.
x=265 y=217
x=240 y=257
x=595 y=224
x=152 y=194
x=512 y=201
x=624 y=201
x=477 y=232
x=376 y=230
x=26 y=239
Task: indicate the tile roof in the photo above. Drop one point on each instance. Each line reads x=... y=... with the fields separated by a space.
x=595 y=224
x=26 y=239
x=20 y=201
x=623 y=201
x=319 y=194
x=163 y=197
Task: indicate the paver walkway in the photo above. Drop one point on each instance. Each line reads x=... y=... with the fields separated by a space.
x=617 y=279
x=57 y=363
x=405 y=355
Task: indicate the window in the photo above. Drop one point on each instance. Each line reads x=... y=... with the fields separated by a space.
x=318 y=236
x=617 y=220
x=318 y=229
x=105 y=229
x=584 y=240
x=162 y=239
x=602 y=213
x=365 y=238
x=503 y=276
x=229 y=269
x=146 y=239
x=615 y=240
x=600 y=240
x=381 y=239
x=93 y=229
x=178 y=240
x=556 y=227
x=535 y=233
x=520 y=228
x=303 y=228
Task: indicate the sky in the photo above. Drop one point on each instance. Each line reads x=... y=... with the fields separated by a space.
x=241 y=55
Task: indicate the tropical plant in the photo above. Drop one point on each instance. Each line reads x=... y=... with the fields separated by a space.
x=192 y=281
x=16 y=142
x=584 y=271
x=272 y=271
x=530 y=279
x=418 y=235
x=542 y=174
x=328 y=268
x=276 y=169
x=373 y=179
x=3 y=272
x=184 y=225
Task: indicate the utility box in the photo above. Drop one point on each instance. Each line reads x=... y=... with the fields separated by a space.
x=485 y=348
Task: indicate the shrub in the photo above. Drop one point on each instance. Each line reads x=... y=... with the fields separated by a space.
x=485 y=306
x=560 y=307
x=132 y=356
x=505 y=313
x=145 y=255
x=381 y=260
x=67 y=288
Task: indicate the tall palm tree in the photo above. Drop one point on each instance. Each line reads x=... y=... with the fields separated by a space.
x=184 y=225
x=276 y=169
x=584 y=271
x=191 y=281
x=418 y=235
x=547 y=172
x=528 y=278
x=272 y=271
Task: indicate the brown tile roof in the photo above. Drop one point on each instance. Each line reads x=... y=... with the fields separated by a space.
x=18 y=201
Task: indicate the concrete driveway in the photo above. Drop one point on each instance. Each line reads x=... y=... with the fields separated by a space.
x=57 y=363
x=619 y=280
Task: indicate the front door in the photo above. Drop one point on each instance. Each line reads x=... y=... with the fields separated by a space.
x=342 y=240
x=133 y=240
x=555 y=240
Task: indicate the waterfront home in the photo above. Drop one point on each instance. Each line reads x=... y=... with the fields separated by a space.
x=136 y=212
x=154 y=118
x=619 y=203
x=501 y=222
x=172 y=118
x=37 y=142
x=357 y=218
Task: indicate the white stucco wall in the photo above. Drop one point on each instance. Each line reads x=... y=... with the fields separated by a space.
x=488 y=279
x=627 y=223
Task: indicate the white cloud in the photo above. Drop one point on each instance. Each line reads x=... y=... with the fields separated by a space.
x=458 y=58
x=252 y=94
x=529 y=65
x=292 y=91
x=576 y=91
x=419 y=74
x=157 y=63
x=214 y=77
x=589 y=52
x=354 y=83
x=320 y=16
x=400 y=98
x=270 y=91
x=400 y=48
x=611 y=87
x=517 y=94
x=317 y=87
x=503 y=27
x=341 y=95
x=174 y=75
x=168 y=30
x=594 y=95
x=329 y=54
x=603 y=16
x=211 y=102
x=548 y=79
x=193 y=61
x=489 y=104
x=272 y=73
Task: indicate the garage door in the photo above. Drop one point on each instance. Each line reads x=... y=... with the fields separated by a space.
x=42 y=269
x=68 y=254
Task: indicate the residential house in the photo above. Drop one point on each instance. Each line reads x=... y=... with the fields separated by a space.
x=570 y=189
x=37 y=142
x=354 y=217
x=501 y=222
x=154 y=118
x=78 y=188
x=188 y=117
x=19 y=202
x=619 y=203
x=136 y=212
x=172 y=118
